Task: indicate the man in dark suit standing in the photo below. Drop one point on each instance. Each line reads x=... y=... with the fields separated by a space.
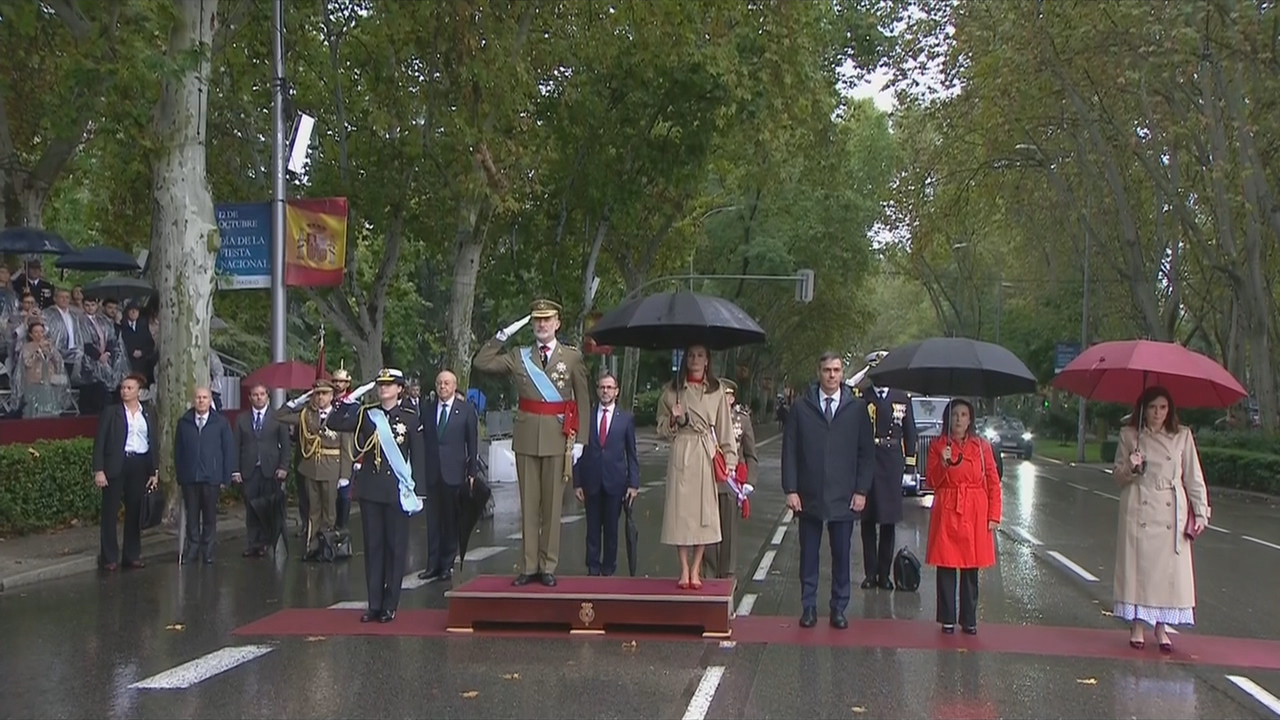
x=264 y=462
x=606 y=476
x=828 y=455
x=451 y=435
x=204 y=456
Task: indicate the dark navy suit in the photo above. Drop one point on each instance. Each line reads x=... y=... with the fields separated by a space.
x=604 y=472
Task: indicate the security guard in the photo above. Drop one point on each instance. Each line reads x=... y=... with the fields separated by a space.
x=720 y=561
x=388 y=437
x=551 y=381
x=895 y=430
x=341 y=389
x=324 y=459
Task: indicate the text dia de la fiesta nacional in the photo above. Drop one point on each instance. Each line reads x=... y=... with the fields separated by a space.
x=237 y=251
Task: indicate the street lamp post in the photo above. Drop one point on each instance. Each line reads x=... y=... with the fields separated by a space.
x=1084 y=330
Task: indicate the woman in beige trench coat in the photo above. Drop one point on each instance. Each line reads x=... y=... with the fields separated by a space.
x=1163 y=504
x=693 y=413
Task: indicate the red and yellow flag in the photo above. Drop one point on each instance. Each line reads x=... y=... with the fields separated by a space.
x=315 y=246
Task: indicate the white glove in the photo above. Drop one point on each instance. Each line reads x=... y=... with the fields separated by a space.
x=513 y=328
x=356 y=394
x=577 y=451
x=343 y=482
x=297 y=402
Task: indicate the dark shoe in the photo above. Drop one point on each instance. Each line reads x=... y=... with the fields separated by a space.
x=370 y=616
x=948 y=629
x=971 y=630
x=429 y=575
x=868 y=584
x=522 y=579
x=111 y=567
x=548 y=579
x=839 y=621
x=135 y=565
x=254 y=552
x=885 y=584
x=809 y=618
x=593 y=573
x=446 y=576
x=387 y=616
x=188 y=558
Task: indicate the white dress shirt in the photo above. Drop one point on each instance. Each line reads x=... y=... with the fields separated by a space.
x=605 y=412
x=822 y=401
x=135 y=438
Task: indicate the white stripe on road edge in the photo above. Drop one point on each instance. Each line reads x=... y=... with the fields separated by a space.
x=1215 y=528
x=1066 y=562
x=768 y=440
x=778 y=534
x=1078 y=487
x=728 y=644
x=787 y=517
x=1255 y=691
x=350 y=604
x=656 y=483
x=1105 y=495
x=700 y=703
x=1261 y=542
x=569 y=519
x=203 y=668
x=519 y=534
x=762 y=571
x=1025 y=536
x=745 y=605
x=643 y=490
x=484 y=552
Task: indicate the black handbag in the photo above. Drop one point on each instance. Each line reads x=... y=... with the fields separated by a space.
x=152 y=513
x=906 y=570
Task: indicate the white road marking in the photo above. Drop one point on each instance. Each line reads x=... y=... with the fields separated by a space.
x=766 y=562
x=1254 y=690
x=655 y=483
x=1078 y=487
x=484 y=552
x=746 y=604
x=1215 y=528
x=728 y=644
x=203 y=668
x=412 y=581
x=778 y=534
x=1105 y=495
x=644 y=490
x=1261 y=542
x=700 y=703
x=1025 y=536
x=570 y=519
x=787 y=517
x=350 y=605
x=1068 y=564
x=518 y=535
x=768 y=440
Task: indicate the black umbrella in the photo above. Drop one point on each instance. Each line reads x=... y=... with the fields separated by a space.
x=668 y=321
x=633 y=537
x=472 y=498
x=98 y=259
x=954 y=366
x=119 y=288
x=33 y=241
x=270 y=511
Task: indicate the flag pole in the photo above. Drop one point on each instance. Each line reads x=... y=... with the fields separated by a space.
x=279 y=297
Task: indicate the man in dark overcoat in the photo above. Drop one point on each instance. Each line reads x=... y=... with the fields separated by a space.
x=828 y=454
x=895 y=433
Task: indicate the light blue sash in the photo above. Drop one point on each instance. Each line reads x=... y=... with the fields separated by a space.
x=409 y=500
x=546 y=388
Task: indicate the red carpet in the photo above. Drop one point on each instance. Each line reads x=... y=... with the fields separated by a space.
x=569 y=586
x=759 y=629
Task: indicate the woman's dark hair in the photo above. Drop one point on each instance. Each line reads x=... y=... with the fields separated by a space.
x=34 y=322
x=946 y=417
x=1149 y=396
x=137 y=378
x=709 y=377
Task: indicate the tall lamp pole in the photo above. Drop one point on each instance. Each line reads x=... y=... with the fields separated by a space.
x=279 y=150
x=1084 y=329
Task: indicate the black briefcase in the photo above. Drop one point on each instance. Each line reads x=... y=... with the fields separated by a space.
x=906 y=570
x=152 y=513
x=332 y=545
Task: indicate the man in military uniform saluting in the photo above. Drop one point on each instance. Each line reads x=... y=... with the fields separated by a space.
x=325 y=458
x=551 y=381
x=341 y=391
x=894 y=425
x=720 y=561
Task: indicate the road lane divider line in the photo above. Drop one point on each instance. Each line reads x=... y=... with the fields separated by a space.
x=700 y=703
x=1215 y=528
x=1077 y=486
x=746 y=604
x=1257 y=692
x=788 y=516
x=203 y=668
x=1105 y=495
x=766 y=562
x=1261 y=542
x=570 y=519
x=517 y=535
x=1023 y=535
x=349 y=605
x=655 y=483
x=769 y=439
x=778 y=535
x=1068 y=564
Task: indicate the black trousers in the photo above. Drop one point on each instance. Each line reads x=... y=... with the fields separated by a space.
x=200 y=500
x=877 y=557
x=128 y=488
x=442 y=527
x=968 y=591
x=344 y=507
x=257 y=485
x=304 y=500
x=386 y=550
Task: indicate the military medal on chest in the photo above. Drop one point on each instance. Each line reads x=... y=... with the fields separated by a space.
x=560 y=374
x=399 y=429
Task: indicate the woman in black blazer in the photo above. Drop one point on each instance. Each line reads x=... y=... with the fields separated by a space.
x=124 y=466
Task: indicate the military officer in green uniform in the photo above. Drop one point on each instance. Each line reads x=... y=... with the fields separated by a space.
x=326 y=458
x=720 y=561
x=551 y=382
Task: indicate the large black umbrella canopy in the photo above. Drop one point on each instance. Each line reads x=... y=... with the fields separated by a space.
x=670 y=321
x=98 y=259
x=119 y=288
x=954 y=366
x=33 y=241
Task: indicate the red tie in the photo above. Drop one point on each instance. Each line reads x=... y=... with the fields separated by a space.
x=604 y=426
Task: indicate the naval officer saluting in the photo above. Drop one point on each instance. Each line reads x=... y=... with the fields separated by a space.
x=551 y=381
x=388 y=439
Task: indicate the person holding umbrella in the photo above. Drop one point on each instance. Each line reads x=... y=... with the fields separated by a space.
x=1164 y=505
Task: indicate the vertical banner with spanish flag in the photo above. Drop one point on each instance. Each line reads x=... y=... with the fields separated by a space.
x=315 y=242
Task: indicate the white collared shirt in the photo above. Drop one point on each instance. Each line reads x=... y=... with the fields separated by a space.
x=551 y=348
x=70 y=323
x=135 y=436
x=882 y=393
x=822 y=401
x=442 y=406
x=202 y=420
x=605 y=412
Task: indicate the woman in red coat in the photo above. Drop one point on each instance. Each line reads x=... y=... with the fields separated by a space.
x=966 y=510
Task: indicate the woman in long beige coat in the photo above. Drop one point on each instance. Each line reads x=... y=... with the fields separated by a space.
x=693 y=413
x=1163 y=504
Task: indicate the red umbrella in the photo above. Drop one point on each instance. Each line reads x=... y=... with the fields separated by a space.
x=1118 y=371
x=290 y=375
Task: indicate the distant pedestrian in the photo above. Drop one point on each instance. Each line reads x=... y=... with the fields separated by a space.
x=204 y=457
x=124 y=467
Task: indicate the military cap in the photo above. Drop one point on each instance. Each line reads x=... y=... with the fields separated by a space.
x=341 y=373
x=874 y=358
x=322 y=385
x=390 y=376
x=730 y=386
x=542 y=308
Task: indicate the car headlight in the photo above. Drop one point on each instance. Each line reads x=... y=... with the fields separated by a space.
x=1026 y=436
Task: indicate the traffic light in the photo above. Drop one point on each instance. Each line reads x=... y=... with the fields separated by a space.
x=804 y=285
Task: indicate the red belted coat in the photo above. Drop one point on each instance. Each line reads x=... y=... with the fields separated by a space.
x=966 y=497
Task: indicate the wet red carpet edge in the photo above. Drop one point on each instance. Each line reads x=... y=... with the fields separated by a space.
x=1036 y=640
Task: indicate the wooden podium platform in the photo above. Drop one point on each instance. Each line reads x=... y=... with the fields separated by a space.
x=593 y=605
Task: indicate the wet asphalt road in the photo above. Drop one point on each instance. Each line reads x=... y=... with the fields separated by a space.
x=72 y=648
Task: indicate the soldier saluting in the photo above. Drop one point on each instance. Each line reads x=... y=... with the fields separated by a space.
x=894 y=425
x=551 y=381
x=720 y=560
x=325 y=458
